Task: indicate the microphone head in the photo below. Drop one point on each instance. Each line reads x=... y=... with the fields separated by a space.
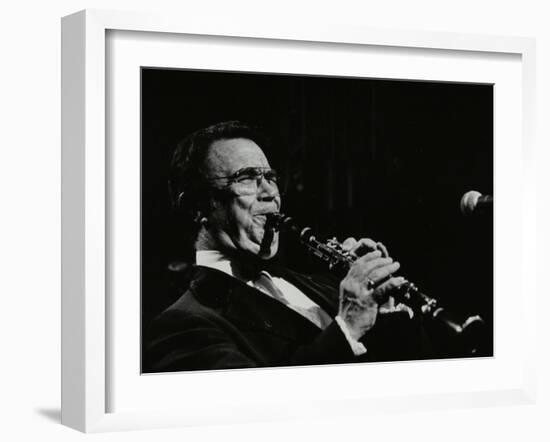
x=469 y=202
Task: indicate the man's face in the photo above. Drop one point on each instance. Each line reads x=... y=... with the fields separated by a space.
x=236 y=221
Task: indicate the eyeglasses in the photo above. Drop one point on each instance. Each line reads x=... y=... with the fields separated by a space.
x=246 y=181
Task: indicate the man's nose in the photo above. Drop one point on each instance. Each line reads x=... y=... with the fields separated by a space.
x=267 y=190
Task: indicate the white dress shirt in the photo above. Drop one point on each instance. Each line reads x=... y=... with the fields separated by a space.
x=294 y=298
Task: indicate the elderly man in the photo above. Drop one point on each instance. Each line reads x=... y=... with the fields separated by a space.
x=241 y=311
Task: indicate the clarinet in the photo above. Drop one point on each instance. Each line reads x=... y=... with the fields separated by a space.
x=339 y=261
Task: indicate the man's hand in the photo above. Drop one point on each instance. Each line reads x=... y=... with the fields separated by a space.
x=367 y=285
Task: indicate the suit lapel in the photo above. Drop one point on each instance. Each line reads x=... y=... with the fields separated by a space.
x=322 y=291
x=247 y=307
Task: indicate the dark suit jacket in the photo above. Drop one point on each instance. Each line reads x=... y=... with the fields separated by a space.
x=221 y=322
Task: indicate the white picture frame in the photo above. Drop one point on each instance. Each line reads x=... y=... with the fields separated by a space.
x=86 y=355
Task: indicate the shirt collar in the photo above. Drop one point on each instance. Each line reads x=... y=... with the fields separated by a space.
x=215 y=259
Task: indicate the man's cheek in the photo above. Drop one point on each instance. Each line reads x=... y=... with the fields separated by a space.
x=255 y=231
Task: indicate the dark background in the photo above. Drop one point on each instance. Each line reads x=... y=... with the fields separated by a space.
x=383 y=159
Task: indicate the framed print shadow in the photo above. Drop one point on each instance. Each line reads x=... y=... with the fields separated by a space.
x=252 y=213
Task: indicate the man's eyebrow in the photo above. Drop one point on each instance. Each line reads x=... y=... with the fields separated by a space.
x=231 y=174
x=239 y=172
x=250 y=168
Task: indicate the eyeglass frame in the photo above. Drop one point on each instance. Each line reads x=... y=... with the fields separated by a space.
x=259 y=172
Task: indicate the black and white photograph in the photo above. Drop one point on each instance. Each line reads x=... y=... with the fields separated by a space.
x=293 y=220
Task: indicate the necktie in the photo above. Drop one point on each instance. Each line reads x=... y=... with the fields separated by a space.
x=314 y=313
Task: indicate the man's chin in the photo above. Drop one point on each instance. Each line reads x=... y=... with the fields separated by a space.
x=254 y=251
x=267 y=254
x=262 y=250
x=262 y=246
x=269 y=246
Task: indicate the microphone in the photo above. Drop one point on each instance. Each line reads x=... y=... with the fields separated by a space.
x=475 y=202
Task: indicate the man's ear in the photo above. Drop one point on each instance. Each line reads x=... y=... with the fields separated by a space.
x=204 y=208
x=180 y=201
x=203 y=221
x=198 y=217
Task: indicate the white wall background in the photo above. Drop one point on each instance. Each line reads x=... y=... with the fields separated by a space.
x=30 y=217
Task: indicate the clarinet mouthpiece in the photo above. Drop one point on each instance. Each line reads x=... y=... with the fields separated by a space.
x=274 y=221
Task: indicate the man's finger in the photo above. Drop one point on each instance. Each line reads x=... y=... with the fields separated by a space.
x=372 y=267
x=383 y=249
x=348 y=244
x=383 y=291
x=381 y=272
x=404 y=308
x=389 y=305
x=364 y=246
x=361 y=262
x=367 y=263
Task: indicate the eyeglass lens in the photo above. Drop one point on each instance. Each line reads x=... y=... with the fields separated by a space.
x=248 y=180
